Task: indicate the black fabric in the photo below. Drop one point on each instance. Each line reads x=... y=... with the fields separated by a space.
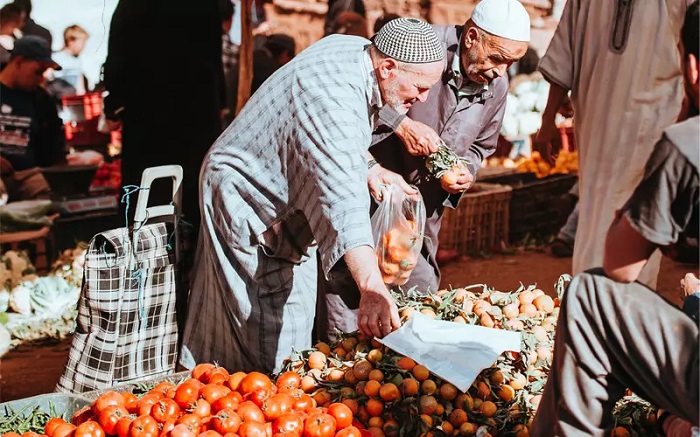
x=31 y=133
x=31 y=28
x=164 y=68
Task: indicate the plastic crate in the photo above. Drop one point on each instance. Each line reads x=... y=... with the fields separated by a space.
x=480 y=221
x=63 y=404
x=533 y=205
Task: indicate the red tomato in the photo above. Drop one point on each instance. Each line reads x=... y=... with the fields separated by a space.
x=303 y=402
x=277 y=405
x=226 y=421
x=162 y=388
x=131 y=402
x=144 y=426
x=254 y=381
x=252 y=429
x=342 y=415
x=228 y=401
x=250 y=412
x=52 y=424
x=191 y=420
x=166 y=428
x=288 y=381
x=124 y=426
x=200 y=369
x=186 y=394
x=26 y=434
x=164 y=410
x=258 y=397
x=215 y=375
x=146 y=403
x=105 y=400
x=64 y=430
x=289 y=422
x=110 y=416
x=89 y=429
x=210 y=434
x=214 y=392
x=183 y=430
x=201 y=408
x=82 y=415
x=350 y=431
x=319 y=425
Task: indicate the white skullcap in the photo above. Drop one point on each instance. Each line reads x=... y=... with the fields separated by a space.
x=409 y=40
x=504 y=18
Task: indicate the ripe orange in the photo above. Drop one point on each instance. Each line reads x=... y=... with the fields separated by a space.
x=621 y=431
x=336 y=375
x=487 y=320
x=448 y=391
x=427 y=420
x=350 y=377
x=322 y=397
x=511 y=311
x=374 y=356
x=544 y=303
x=439 y=410
x=317 y=360
x=353 y=405
x=428 y=387
x=421 y=372
x=464 y=402
x=458 y=417
x=376 y=375
x=483 y=390
x=429 y=312
x=407 y=313
x=406 y=363
x=447 y=428
x=323 y=348
x=376 y=432
x=526 y=297
x=518 y=382
x=389 y=392
x=409 y=387
x=529 y=310
x=350 y=343
x=506 y=393
x=375 y=407
x=362 y=369
x=427 y=405
x=372 y=388
x=468 y=429
x=460 y=319
x=308 y=383
x=376 y=422
x=488 y=409
x=391 y=428
x=481 y=307
x=497 y=378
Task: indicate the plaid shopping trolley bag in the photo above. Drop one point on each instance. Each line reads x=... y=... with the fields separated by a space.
x=127 y=326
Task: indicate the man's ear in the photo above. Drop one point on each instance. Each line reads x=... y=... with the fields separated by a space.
x=387 y=68
x=471 y=36
x=692 y=69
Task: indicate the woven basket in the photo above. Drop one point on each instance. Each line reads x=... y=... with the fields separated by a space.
x=533 y=207
x=480 y=222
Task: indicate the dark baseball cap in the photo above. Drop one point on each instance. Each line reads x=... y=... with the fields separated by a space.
x=35 y=48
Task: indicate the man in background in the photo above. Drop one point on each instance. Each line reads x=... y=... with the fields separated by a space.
x=10 y=22
x=617 y=122
x=72 y=73
x=29 y=26
x=614 y=333
x=277 y=50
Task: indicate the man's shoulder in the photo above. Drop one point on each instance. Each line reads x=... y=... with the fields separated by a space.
x=448 y=34
x=684 y=137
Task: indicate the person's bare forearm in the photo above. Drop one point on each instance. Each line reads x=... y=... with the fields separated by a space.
x=626 y=252
x=556 y=97
x=363 y=266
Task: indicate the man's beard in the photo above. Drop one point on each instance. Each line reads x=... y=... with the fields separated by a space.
x=392 y=99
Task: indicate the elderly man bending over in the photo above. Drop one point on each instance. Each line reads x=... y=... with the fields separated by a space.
x=291 y=170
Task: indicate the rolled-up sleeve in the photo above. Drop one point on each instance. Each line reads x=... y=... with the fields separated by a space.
x=331 y=161
x=557 y=65
x=661 y=206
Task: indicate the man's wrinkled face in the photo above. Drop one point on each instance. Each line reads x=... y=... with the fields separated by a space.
x=409 y=85
x=30 y=74
x=485 y=57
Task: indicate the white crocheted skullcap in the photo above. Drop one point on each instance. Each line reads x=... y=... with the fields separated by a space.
x=409 y=40
x=505 y=18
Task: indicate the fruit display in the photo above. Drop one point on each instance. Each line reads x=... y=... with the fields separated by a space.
x=566 y=163
x=353 y=387
x=108 y=175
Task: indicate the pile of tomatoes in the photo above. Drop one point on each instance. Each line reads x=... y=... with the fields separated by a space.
x=212 y=403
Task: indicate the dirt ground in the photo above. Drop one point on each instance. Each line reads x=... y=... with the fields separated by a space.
x=33 y=370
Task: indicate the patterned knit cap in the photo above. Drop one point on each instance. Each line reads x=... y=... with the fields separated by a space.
x=409 y=40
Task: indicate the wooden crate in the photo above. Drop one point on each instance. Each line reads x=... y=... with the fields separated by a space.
x=480 y=221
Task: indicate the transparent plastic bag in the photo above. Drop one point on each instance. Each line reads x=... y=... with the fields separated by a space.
x=398 y=226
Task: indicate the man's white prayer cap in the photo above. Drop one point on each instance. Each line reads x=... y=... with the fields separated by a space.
x=505 y=18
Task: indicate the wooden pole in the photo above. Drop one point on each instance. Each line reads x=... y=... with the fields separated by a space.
x=245 y=62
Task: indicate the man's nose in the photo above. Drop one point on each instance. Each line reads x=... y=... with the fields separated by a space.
x=422 y=97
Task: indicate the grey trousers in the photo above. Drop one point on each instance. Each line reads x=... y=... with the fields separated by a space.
x=610 y=337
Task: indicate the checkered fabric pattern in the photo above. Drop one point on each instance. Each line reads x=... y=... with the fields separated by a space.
x=126 y=328
x=409 y=40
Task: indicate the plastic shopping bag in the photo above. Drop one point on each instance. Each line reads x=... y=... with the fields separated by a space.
x=397 y=227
